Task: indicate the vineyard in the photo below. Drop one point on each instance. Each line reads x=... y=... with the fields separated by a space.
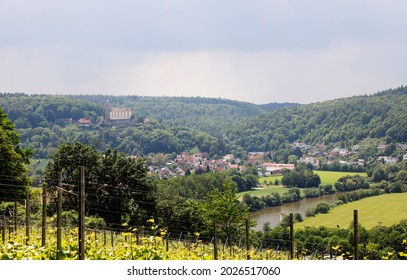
x=52 y=243
x=109 y=245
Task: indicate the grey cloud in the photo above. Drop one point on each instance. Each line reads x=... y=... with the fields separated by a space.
x=196 y=25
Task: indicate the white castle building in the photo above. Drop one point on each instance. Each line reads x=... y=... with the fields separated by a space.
x=116 y=114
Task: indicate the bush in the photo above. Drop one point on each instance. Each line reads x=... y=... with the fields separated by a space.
x=310 y=212
x=312 y=192
x=322 y=207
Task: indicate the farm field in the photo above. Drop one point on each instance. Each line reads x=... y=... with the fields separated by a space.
x=270 y=179
x=264 y=191
x=327 y=177
x=386 y=210
x=330 y=177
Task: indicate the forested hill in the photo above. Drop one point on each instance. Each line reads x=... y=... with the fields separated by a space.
x=216 y=126
x=346 y=121
x=205 y=114
x=201 y=113
x=179 y=123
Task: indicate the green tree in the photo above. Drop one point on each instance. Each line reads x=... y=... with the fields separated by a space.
x=226 y=211
x=117 y=187
x=13 y=161
x=402 y=176
x=124 y=191
x=292 y=159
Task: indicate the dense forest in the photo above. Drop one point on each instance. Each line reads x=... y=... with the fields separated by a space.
x=215 y=126
x=177 y=123
x=205 y=114
x=347 y=121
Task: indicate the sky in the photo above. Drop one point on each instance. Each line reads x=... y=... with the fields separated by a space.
x=258 y=51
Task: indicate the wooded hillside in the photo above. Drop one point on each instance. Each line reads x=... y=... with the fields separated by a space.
x=215 y=126
x=346 y=121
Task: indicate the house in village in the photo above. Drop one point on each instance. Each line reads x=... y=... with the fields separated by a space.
x=387 y=160
x=310 y=160
x=84 y=122
x=275 y=168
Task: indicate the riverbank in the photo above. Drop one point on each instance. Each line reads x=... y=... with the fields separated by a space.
x=273 y=215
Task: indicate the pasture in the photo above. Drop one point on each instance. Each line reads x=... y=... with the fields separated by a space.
x=386 y=210
x=327 y=177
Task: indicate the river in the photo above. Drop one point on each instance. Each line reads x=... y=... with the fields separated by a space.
x=272 y=214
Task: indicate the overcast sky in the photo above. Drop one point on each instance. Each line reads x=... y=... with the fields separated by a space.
x=258 y=51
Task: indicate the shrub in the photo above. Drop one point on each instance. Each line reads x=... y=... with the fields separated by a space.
x=322 y=207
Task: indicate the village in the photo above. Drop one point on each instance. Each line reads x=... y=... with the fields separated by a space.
x=165 y=166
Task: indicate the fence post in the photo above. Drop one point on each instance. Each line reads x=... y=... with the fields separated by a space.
x=3 y=228
x=166 y=242
x=15 y=216
x=355 y=235
x=81 y=228
x=10 y=227
x=27 y=219
x=44 y=216
x=59 y=217
x=215 y=241
x=291 y=236
x=247 y=240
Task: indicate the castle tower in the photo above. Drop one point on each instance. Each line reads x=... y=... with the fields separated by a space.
x=108 y=109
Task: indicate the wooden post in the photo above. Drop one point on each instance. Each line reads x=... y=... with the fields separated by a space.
x=215 y=241
x=10 y=227
x=355 y=235
x=247 y=240
x=44 y=216
x=15 y=216
x=166 y=241
x=3 y=228
x=59 y=217
x=291 y=236
x=81 y=229
x=27 y=218
x=96 y=238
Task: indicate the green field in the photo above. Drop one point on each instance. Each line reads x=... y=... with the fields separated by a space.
x=386 y=210
x=270 y=179
x=264 y=191
x=330 y=177
x=327 y=177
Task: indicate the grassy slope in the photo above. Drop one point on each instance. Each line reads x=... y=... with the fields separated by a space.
x=387 y=209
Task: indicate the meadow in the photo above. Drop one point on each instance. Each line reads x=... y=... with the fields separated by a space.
x=386 y=210
x=267 y=183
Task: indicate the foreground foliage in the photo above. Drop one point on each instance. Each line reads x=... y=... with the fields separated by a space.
x=101 y=245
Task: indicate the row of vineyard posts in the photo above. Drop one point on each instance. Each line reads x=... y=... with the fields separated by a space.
x=12 y=224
